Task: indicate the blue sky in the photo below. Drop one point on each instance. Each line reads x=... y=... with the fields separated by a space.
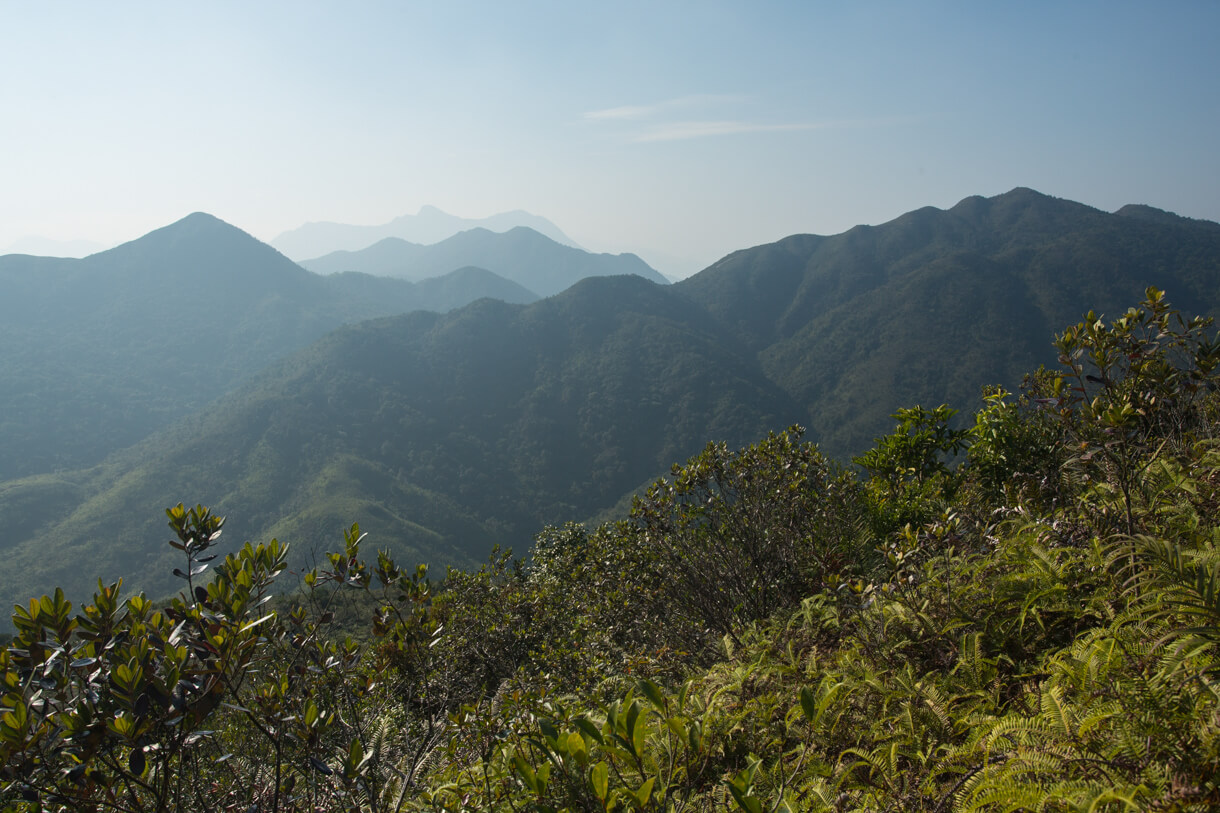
x=678 y=130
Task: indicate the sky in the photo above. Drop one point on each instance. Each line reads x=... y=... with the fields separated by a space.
x=680 y=131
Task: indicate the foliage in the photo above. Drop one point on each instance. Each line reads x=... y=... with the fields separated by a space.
x=1016 y=450
x=214 y=701
x=908 y=470
x=1133 y=384
x=1041 y=631
x=740 y=535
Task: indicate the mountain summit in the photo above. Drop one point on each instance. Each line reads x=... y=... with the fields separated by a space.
x=521 y=254
x=430 y=225
x=930 y=306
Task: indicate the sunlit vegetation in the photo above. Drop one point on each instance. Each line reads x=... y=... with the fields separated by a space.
x=1020 y=615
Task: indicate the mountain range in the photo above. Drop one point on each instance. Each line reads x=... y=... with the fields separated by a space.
x=520 y=254
x=444 y=434
x=430 y=225
x=934 y=304
x=102 y=350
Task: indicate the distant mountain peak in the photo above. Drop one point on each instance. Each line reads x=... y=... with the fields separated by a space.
x=429 y=226
x=521 y=254
x=1025 y=192
x=200 y=217
x=201 y=227
x=1019 y=194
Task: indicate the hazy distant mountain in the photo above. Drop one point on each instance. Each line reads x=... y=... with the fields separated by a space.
x=464 y=285
x=46 y=247
x=98 y=352
x=445 y=434
x=431 y=225
x=388 y=257
x=520 y=254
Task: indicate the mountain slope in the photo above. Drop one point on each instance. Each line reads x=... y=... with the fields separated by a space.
x=102 y=350
x=430 y=225
x=443 y=434
x=930 y=306
x=521 y=254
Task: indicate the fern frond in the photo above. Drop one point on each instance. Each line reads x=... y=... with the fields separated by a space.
x=1056 y=712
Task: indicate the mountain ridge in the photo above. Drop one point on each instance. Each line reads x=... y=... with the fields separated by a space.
x=521 y=254
x=567 y=403
x=103 y=349
x=789 y=300
x=446 y=434
x=430 y=225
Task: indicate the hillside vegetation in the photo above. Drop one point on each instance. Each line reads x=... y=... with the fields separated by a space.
x=1021 y=614
x=445 y=435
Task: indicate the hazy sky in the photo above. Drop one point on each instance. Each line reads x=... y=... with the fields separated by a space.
x=678 y=130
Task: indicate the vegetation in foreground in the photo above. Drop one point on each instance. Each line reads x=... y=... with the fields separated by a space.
x=1034 y=628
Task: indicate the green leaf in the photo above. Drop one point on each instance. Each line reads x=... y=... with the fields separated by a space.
x=589 y=729
x=809 y=704
x=653 y=693
x=254 y=624
x=599 y=777
x=525 y=772
x=578 y=749
x=745 y=801
x=644 y=792
x=635 y=728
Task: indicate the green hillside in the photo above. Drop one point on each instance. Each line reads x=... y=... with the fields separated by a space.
x=448 y=434
x=929 y=307
x=445 y=433
x=101 y=351
x=1018 y=616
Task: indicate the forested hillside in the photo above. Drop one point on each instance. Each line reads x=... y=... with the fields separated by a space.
x=448 y=434
x=99 y=352
x=929 y=307
x=1019 y=615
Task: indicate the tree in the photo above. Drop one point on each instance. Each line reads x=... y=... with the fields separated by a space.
x=216 y=700
x=1137 y=382
x=909 y=476
x=741 y=534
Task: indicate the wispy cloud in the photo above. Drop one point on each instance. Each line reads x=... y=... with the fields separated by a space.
x=671 y=120
x=682 y=130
